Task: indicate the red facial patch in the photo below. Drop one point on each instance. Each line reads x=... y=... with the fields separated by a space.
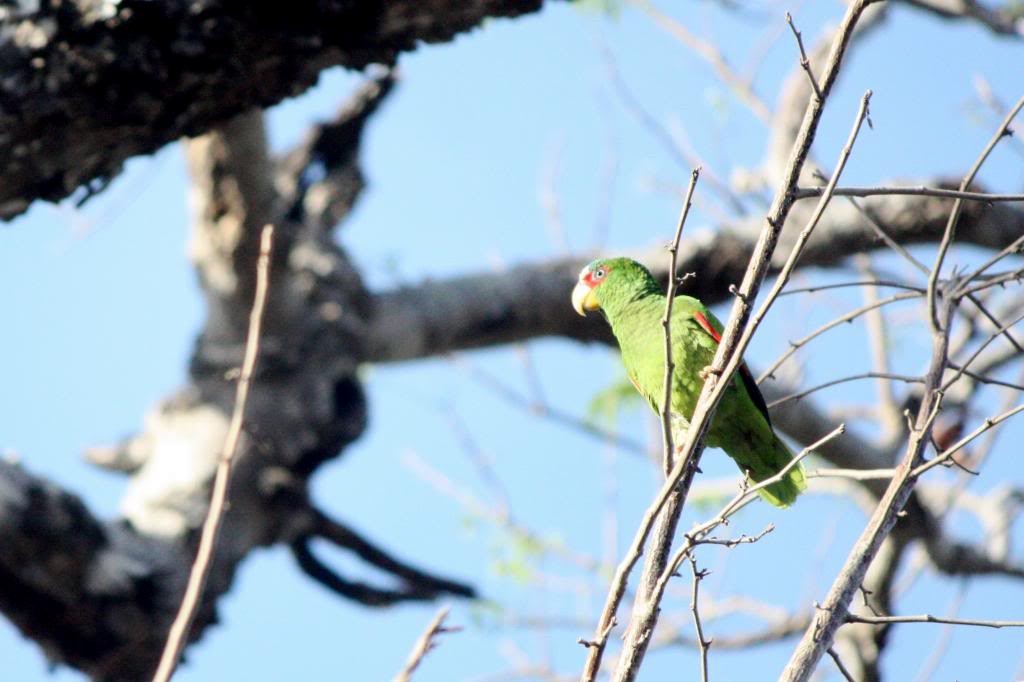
x=703 y=321
x=596 y=276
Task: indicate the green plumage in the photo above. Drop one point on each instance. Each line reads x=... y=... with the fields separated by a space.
x=634 y=304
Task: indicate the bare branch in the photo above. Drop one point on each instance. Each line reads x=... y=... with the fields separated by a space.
x=926 y=618
x=666 y=324
x=707 y=51
x=961 y=369
x=783 y=629
x=1003 y=21
x=320 y=180
x=218 y=498
x=819 y=635
x=426 y=642
x=794 y=346
x=920 y=191
x=702 y=644
x=814 y=288
x=839 y=664
x=954 y=216
x=853 y=377
x=480 y=310
x=948 y=453
x=888 y=410
x=805 y=63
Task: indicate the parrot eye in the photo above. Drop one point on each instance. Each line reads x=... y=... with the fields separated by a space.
x=599 y=273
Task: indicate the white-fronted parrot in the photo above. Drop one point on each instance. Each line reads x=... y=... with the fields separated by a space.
x=633 y=303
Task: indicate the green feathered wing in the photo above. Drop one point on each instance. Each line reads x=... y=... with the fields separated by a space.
x=741 y=425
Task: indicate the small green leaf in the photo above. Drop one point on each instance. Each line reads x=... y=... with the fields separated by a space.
x=518 y=571
x=604 y=407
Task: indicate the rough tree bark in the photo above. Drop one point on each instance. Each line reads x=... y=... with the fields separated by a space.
x=88 y=84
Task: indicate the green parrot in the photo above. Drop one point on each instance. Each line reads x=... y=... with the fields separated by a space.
x=633 y=303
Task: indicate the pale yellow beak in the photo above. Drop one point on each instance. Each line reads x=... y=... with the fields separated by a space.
x=583 y=299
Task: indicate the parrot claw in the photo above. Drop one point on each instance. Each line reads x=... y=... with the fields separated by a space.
x=706 y=372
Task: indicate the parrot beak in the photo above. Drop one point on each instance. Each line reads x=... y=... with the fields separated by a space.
x=583 y=299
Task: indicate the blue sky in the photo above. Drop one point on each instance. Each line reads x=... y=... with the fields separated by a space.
x=102 y=308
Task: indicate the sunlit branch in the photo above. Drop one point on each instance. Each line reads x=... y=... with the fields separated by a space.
x=666 y=325
x=954 y=216
x=921 y=191
x=926 y=618
x=854 y=377
x=794 y=346
x=948 y=453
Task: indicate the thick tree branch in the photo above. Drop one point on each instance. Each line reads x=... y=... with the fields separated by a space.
x=475 y=311
x=1003 y=21
x=320 y=179
x=88 y=85
x=305 y=405
x=96 y=596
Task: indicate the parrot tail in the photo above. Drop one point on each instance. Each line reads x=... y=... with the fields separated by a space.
x=769 y=463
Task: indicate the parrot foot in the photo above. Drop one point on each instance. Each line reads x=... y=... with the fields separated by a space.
x=706 y=372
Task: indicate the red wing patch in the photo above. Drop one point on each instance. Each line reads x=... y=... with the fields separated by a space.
x=703 y=321
x=748 y=379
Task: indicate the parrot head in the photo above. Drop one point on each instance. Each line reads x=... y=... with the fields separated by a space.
x=607 y=279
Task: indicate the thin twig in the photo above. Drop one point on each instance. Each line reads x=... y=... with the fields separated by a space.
x=885 y=237
x=854 y=474
x=805 y=63
x=746 y=495
x=819 y=636
x=794 y=255
x=815 y=288
x=666 y=324
x=920 y=191
x=211 y=526
x=546 y=411
x=988 y=283
x=962 y=369
x=1013 y=247
x=970 y=294
x=707 y=51
x=888 y=411
x=702 y=644
x=794 y=346
x=985 y=379
x=839 y=664
x=425 y=643
x=682 y=153
x=699 y=534
x=948 y=453
x=853 y=377
x=927 y=618
x=930 y=665
x=954 y=216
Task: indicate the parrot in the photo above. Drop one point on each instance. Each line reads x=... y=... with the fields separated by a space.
x=633 y=303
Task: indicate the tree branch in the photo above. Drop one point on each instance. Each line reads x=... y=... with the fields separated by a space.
x=477 y=311
x=180 y=68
